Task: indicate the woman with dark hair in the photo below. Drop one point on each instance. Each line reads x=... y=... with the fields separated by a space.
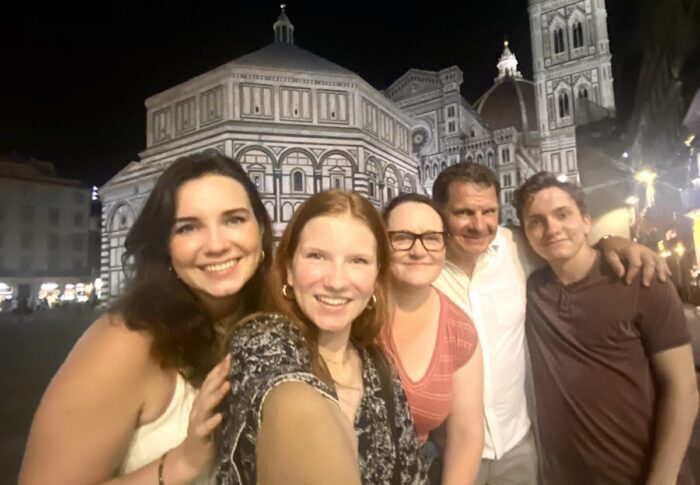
x=313 y=398
x=135 y=401
x=432 y=342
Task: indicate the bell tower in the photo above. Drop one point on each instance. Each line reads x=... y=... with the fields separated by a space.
x=571 y=62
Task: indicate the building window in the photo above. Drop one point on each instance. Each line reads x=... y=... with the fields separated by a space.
x=480 y=158
x=297 y=181
x=505 y=155
x=337 y=181
x=577 y=32
x=185 y=115
x=570 y=163
x=489 y=160
x=451 y=127
x=211 y=105
x=257 y=180
x=371 y=189
x=53 y=216
x=507 y=196
x=450 y=111
x=53 y=241
x=558 y=40
x=583 y=92
x=389 y=193
x=161 y=125
x=556 y=164
x=563 y=105
x=506 y=180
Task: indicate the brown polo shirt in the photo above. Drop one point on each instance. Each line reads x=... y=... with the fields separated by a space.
x=591 y=344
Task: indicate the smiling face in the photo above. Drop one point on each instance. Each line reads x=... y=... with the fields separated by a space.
x=215 y=245
x=472 y=216
x=415 y=267
x=333 y=271
x=555 y=227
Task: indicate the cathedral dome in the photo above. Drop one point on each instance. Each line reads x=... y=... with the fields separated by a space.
x=289 y=57
x=511 y=100
x=509 y=103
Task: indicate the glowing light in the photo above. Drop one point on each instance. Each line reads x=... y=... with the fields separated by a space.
x=679 y=249
x=632 y=200
x=645 y=176
x=48 y=286
x=562 y=178
x=625 y=155
x=689 y=141
x=98 y=283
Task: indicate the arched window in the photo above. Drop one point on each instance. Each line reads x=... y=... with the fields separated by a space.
x=489 y=159
x=558 y=40
x=297 y=181
x=470 y=159
x=583 y=92
x=443 y=165
x=480 y=158
x=563 y=105
x=577 y=34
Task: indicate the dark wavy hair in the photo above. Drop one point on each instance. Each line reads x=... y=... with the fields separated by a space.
x=185 y=335
x=367 y=326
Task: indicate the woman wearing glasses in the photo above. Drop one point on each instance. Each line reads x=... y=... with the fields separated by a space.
x=432 y=341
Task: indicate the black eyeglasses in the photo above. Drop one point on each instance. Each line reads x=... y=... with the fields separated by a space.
x=431 y=241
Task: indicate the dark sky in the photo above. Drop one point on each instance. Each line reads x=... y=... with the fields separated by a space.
x=74 y=78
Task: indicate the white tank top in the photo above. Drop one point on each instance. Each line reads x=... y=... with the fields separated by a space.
x=153 y=439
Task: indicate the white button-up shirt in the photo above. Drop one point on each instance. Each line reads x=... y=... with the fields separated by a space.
x=494 y=298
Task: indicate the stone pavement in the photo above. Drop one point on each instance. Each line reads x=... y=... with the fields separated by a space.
x=31 y=350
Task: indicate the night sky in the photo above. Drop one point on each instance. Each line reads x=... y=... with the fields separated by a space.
x=74 y=79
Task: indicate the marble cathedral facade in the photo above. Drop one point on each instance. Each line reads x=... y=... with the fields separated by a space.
x=299 y=123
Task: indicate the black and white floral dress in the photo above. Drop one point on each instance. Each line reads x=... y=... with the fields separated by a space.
x=268 y=350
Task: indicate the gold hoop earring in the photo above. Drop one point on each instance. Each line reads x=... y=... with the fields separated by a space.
x=262 y=255
x=372 y=304
x=286 y=287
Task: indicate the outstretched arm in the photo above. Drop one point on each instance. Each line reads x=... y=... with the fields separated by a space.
x=678 y=406
x=305 y=439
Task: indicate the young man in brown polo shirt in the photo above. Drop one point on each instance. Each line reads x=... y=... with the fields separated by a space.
x=615 y=386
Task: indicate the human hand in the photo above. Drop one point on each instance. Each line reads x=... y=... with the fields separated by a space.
x=198 y=447
x=638 y=257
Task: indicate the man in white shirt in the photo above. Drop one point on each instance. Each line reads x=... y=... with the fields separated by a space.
x=485 y=275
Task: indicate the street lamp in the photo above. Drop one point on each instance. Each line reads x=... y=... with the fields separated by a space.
x=647 y=177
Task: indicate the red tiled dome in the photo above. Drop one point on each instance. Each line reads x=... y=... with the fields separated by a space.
x=509 y=103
